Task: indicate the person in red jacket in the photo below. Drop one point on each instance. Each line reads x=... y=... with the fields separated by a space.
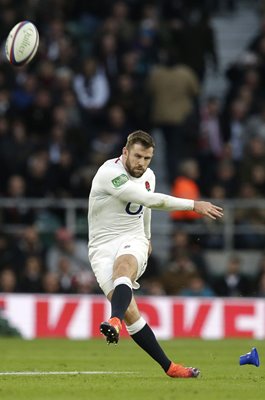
x=185 y=186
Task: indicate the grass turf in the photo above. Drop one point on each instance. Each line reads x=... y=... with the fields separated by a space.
x=221 y=376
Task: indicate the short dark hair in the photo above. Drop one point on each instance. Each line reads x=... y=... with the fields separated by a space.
x=141 y=137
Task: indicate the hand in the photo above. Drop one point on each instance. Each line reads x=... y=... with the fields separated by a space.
x=208 y=209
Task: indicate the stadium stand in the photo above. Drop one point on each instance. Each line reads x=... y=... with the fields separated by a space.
x=94 y=80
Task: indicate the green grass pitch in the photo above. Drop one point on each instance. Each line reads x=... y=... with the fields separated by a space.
x=132 y=374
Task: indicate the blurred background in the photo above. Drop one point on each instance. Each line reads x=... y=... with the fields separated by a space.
x=190 y=73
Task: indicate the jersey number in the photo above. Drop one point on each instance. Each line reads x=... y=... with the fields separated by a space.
x=127 y=209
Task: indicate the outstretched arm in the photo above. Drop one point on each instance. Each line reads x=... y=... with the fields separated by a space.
x=160 y=201
x=128 y=191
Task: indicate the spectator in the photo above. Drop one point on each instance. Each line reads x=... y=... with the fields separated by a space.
x=8 y=280
x=255 y=42
x=150 y=280
x=243 y=76
x=46 y=74
x=92 y=90
x=50 y=283
x=173 y=91
x=259 y=277
x=254 y=156
x=65 y=275
x=258 y=179
x=103 y=146
x=108 y=55
x=60 y=117
x=146 y=46
x=56 y=144
x=39 y=178
x=226 y=176
x=210 y=146
x=18 y=213
x=30 y=244
x=260 y=291
x=199 y=44
x=4 y=102
x=38 y=117
x=62 y=175
x=82 y=179
x=218 y=192
x=85 y=283
x=250 y=220
x=214 y=238
x=117 y=122
x=184 y=245
x=60 y=49
x=178 y=274
x=63 y=79
x=15 y=149
x=121 y=16
x=233 y=282
x=9 y=254
x=197 y=287
x=4 y=163
x=234 y=128
x=67 y=247
x=211 y=133
x=186 y=186
x=129 y=64
x=132 y=99
x=31 y=279
x=69 y=103
x=153 y=287
x=24 y=93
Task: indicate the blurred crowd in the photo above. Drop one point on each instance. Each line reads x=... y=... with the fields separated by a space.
x=28 y=266
x=104 y=69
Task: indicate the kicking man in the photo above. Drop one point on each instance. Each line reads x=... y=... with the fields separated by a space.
x=119 y=218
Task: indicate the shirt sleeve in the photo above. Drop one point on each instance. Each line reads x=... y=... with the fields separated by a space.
x=119 y=185
x=111 y=181
x=147 y=222
x=156 y=201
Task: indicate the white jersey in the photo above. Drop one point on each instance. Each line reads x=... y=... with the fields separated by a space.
x=112 y=213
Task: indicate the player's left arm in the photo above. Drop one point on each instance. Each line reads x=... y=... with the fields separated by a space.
x=148 y=213
x=147 y=222
x=147 y=227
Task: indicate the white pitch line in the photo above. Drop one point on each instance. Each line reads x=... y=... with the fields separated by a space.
x=32 y=373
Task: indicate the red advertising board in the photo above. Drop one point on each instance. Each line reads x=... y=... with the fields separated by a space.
x=78 y=317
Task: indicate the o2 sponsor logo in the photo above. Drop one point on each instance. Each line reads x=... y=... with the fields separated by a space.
x=134 y=209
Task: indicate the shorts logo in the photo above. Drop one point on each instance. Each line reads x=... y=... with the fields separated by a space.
x=119 y=180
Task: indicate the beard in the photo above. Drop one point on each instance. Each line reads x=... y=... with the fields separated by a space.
x=134 y=172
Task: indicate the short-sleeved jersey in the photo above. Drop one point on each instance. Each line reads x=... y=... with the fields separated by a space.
x=109 y=217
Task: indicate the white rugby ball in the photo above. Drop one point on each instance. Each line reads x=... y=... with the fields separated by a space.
x=22 y=43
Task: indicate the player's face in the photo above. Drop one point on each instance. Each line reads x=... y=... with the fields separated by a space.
x=137 y=159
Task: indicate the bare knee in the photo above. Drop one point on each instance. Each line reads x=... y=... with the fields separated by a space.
x=125 y=265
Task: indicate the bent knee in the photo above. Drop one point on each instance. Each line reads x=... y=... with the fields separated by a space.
x=125 y=265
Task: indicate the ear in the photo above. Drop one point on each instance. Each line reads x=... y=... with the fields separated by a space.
x=125 y=152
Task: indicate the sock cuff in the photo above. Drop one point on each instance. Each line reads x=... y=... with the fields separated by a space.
x=122 y=280
x=136 y=326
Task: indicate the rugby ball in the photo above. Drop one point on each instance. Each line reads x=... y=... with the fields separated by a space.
x=22 y=43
